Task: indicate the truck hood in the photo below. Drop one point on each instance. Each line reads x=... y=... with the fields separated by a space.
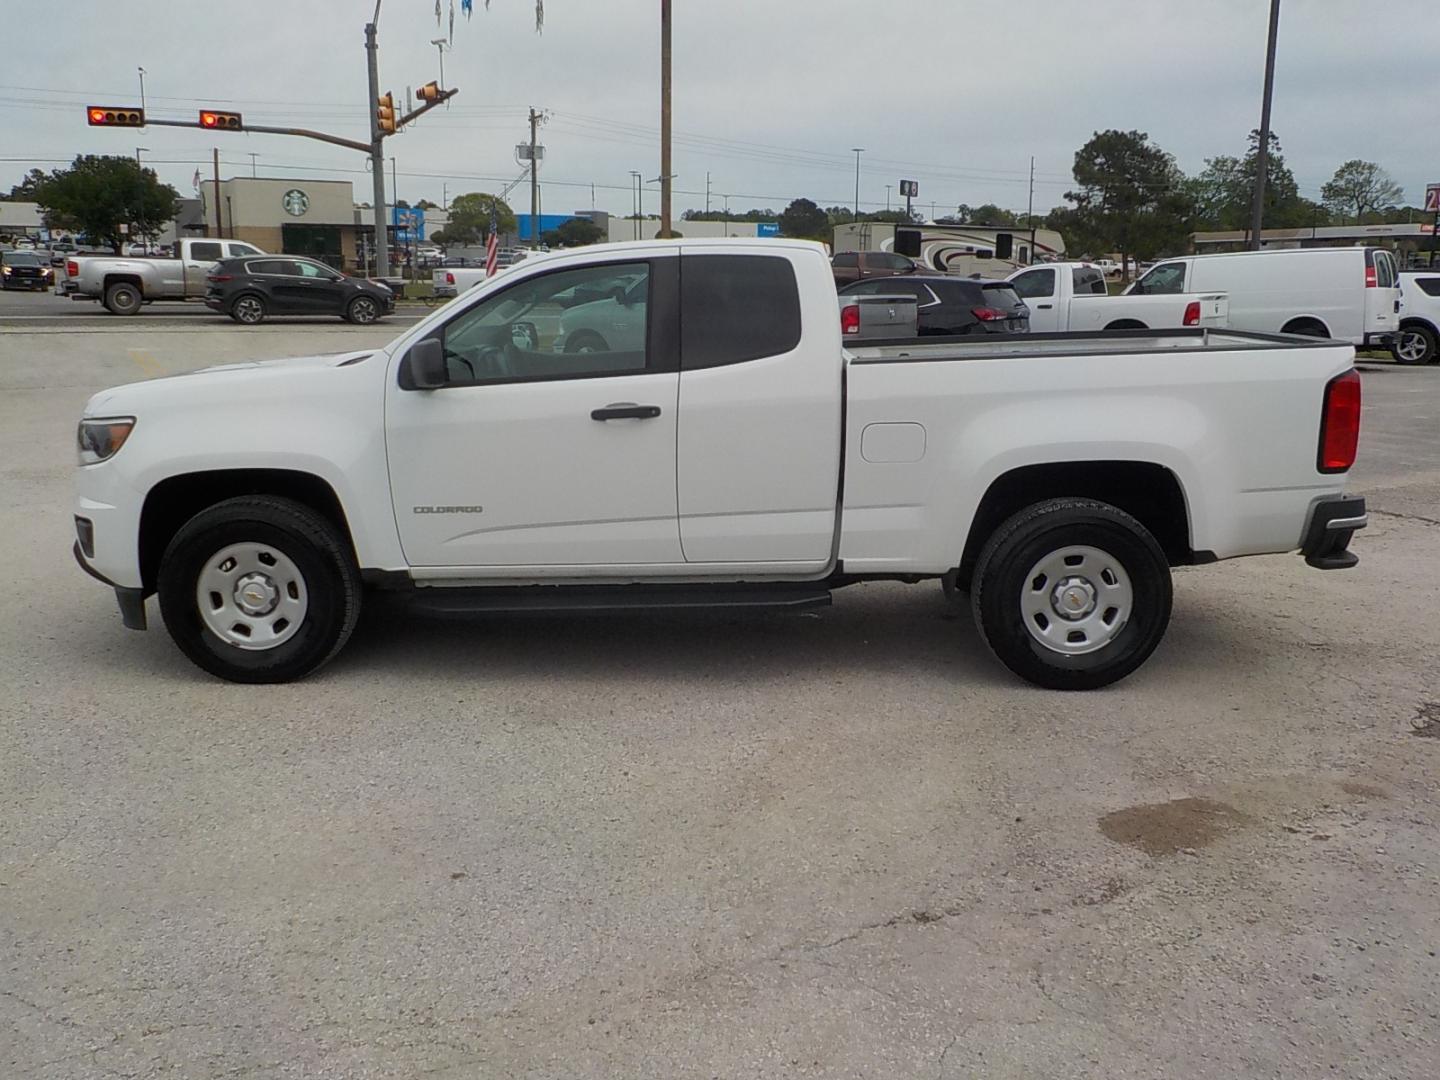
x=266 y=377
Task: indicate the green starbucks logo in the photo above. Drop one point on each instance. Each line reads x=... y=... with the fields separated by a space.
x=295 y=202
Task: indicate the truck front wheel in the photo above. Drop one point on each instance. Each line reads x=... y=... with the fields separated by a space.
x=259 y=589
x=1072 y=594
x=123 y=298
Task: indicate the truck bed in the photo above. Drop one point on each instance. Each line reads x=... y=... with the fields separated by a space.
x=1076 y=343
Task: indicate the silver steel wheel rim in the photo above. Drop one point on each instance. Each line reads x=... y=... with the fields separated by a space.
x=252 y=596
x=248 y=309
x=363 y=311
x=1076 y=600
x=1411 y=345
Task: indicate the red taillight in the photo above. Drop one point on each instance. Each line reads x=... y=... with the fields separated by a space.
x=1192 y=313
x=449 y=278
x=72 y=268
x=1340 y=423
x=989 y=314
x=850 y=319
x=218 y=277
x=1370 y=280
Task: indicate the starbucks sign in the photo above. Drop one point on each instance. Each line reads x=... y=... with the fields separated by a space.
x=295 y=202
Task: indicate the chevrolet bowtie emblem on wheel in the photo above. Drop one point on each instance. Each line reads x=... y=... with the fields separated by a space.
x=449 y=509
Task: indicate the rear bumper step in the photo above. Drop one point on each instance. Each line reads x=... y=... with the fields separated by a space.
x=1333 y=521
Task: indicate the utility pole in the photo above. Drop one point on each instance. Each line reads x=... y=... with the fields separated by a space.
x=377 y=149
x=1030 y=209
x=253 y=156
x=887 y=197
x=1262 y=155
x=218 y=233
x=665 y=12
x=534 y=182
x=857 y=151
x=141 y=70
x=707 y=191
x=637 y=201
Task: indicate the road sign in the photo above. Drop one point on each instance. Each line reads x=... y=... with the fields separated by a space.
x=1432 y=198
x=767 y=228
x=910 y=188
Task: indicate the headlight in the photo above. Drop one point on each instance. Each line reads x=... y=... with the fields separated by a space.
x=100 y=440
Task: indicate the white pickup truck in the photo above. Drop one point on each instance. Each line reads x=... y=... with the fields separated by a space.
x=733 y=452
x=1073 y=296
x=125 y=285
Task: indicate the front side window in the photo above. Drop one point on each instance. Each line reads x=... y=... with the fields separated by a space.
x=206 y=250
x=1035 y=283
x=1166 y=279
x=591 y=321
x=735 y=308
x=846 y=260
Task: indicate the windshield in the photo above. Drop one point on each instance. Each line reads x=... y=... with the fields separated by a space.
x=19 y=258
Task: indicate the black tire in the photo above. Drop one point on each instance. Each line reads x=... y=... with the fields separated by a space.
x=1002 y=574
x=1419 y=349
x=363 y=310
x=586 y=341
x=249 y=309
x=123 y=298
x=321 y=554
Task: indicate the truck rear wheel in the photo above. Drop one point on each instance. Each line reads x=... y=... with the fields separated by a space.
x=1072 y=594
x=259 y=589
x=123 y=298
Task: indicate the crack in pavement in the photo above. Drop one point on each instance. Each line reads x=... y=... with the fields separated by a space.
x=1406 y=517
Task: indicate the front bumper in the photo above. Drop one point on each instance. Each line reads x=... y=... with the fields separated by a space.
x=1333 y=521
x=131 y=601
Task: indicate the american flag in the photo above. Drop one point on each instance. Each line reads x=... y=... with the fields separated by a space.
x=492 y=243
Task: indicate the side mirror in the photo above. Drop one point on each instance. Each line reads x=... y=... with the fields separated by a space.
x=427 y=365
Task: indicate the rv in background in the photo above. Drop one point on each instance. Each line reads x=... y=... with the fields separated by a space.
x=989 y=251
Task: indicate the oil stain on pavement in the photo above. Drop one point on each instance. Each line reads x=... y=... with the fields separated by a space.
x=1171 y=827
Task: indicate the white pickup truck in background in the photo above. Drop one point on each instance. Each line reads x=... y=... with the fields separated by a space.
x=1074 y=296
x=125 y=285
x=723 y=447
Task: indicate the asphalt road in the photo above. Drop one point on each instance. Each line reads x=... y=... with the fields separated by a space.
x=32 y=310
x=842 y=844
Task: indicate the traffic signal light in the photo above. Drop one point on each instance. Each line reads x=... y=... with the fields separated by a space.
x=113 y=116
x=429 y=92
x=385 y=114
x=220 y=121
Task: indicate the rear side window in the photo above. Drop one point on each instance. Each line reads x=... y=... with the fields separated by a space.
x=1088 y=281
x=205 y=251
x=1384 y=269
x=1430 y=286
x=266 y=266
x=735 y=308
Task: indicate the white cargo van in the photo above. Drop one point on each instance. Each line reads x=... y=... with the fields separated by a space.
x=1350 y=294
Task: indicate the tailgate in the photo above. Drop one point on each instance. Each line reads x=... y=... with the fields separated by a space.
x=884 y=317
x=1214 y=309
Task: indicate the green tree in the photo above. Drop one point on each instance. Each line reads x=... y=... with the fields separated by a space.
x=984 y=214
x=28 y=188
x=97 y=195
x=576 y=232
x=470 y=218
x=1223 y=192
x=803 y=219
x=1130 y=198
x=1359 y=188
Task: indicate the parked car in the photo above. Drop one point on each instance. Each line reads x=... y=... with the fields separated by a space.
x=1350 y=294
x=1074 y=296
x=952 y=305
x=250 y=290
x=24 y=270
x=742 y=456
x=124 y=285
x=1417 y=341
x=26 y=243
x=60 y=250
x=848 y=266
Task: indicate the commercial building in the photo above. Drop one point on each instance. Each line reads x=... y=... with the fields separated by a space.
x=22 y=219
x=1412 y=243
x=296 y=217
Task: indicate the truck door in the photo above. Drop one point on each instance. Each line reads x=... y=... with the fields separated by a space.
x=760 y=400
x=552 y=446
x=196 y=258
x=1038 y=288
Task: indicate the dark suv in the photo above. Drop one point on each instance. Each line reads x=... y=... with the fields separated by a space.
x=851 y=266
x=251 y=288
x=954 y=305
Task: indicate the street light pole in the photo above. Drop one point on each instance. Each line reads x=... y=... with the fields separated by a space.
x=439 y=44
x=377 y=150
x=1262 y=154
x=141 y=70
x=888 y=188
x=857 y=151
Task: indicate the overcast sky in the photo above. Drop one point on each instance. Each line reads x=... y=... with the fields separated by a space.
x=770 y=95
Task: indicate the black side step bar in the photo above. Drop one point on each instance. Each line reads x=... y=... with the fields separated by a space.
x=506 y=600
